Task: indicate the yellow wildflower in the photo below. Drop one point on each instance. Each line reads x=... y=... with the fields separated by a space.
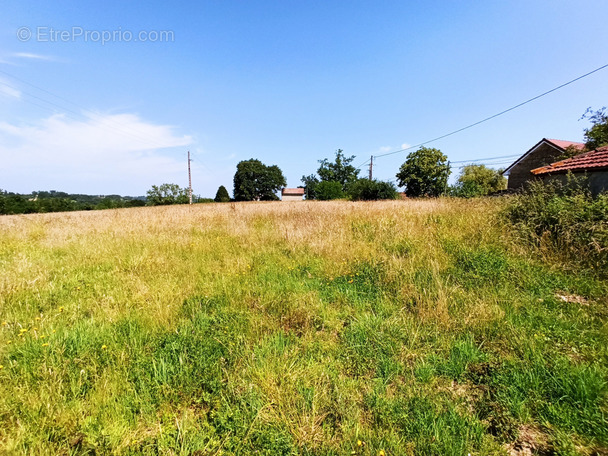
x=37 y=319
x=103 y=347
x=1 y=366
x=8 y=342
x=4 y=323
x=43 y=336
x=359 y=443
x=381 y=453
x=23 y=330
x=46 y=344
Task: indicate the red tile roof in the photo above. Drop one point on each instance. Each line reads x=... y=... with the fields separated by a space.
x=558 y=143
x=292 y=191
x=565 y=144
x=589 y=161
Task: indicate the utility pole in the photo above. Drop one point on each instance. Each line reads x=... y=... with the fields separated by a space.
x=371 y=165
x=445 y=190
x=189 y=180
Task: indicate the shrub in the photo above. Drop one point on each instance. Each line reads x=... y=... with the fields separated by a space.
x=564 y=218
x=222 y=195
x=165 y=194
x=366 y=190
x=478 y=180
x=329 y=190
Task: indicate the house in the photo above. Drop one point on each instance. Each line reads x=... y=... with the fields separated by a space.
x=593 y=165
x=292 y=194
x=545 y=152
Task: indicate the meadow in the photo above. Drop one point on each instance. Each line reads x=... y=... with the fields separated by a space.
x=418 y=327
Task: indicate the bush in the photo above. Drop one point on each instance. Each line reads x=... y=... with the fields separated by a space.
x=564 y=218
x=367 y=190
x=222 y=195
x=478 y=180
x=167 y=194
x=329 y=190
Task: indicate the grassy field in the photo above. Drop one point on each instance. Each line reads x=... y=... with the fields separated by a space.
x=338 y=328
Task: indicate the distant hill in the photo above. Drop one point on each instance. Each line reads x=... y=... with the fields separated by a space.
x=55 y=201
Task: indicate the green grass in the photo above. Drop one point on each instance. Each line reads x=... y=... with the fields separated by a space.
x=414 y=327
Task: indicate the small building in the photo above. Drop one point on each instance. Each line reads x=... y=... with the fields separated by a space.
x=593 y=165
x=292 y=194
x=545 y=152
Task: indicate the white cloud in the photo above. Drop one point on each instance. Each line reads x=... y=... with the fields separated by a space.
x=29 y=55
x=406 y=146
x=99 y=154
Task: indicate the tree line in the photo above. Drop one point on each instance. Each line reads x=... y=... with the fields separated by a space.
x=54 y=201
x=425 y=172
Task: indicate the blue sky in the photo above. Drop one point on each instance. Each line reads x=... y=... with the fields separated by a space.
x=286 y=82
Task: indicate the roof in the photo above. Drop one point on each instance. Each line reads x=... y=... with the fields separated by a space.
x=292 y=191
x=565 y=144
x=590 y=161
x=557 y=143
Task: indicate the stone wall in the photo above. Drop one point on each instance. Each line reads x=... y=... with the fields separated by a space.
x=597 y=180
x=543 y=155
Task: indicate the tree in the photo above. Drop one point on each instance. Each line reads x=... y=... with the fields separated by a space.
x=167 y=194
x=479 y=180
x=340 y=170
x=369 y=190
x=254 y=181
x=310 y=186
x=222 y=195
x=597 y=135
x=330 y=190
x=424 y=173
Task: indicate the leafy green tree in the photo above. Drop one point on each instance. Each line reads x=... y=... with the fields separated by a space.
x=167 y=194
x=424 y=173
x=368 y=190
x=340 y=170
x=329 y=190
x=134 y=203
x=597 y=135
x=310 y=186
x=479 y=180
x=254 y=181
x=222 y=195
x=13 y=203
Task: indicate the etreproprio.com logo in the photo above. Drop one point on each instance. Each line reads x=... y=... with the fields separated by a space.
x=45 y=34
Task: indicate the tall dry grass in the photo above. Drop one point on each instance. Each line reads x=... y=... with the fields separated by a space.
x=410 y=327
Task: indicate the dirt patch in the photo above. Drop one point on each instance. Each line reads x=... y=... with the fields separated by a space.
x=572 y=299
x=530 y=441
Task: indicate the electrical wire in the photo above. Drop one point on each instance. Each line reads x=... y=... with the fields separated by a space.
x=488 y=118
x=105 y=123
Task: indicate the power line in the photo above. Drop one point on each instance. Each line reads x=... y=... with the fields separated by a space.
x=492 y=116
x=487 y=158
x=109 y=124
